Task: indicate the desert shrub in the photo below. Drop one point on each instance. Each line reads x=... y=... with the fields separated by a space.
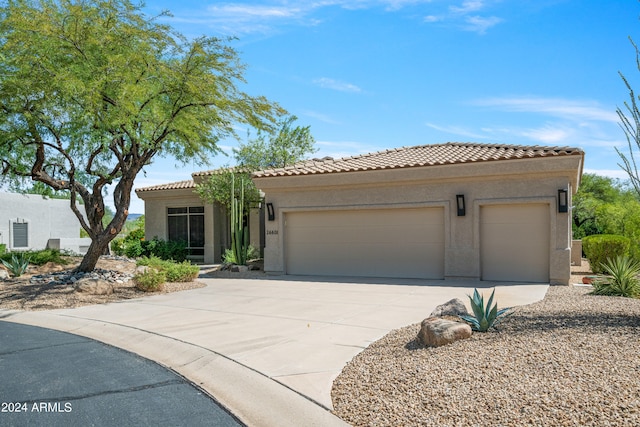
x=166 y=249
x=230 y=258
x=17 y=264
x=174 y=272
x=151 y=280
x=598 y=248
x=182 y=272
x=117 y=246
x=44 y=256
x=621 y=278
x=133 y=248
x=484 y=317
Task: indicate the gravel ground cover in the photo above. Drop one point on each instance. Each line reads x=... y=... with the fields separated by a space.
x=571 y=359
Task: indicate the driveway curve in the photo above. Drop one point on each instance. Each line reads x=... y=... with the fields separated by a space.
x=268 y=349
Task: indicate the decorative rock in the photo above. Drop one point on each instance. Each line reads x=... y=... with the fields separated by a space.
x=4 y=274
x=454 y=307
x=94 y=286
x=435 y=332
x=239 y=268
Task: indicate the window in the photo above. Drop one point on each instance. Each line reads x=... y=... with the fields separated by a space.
x=187 y=225
x=20 y=234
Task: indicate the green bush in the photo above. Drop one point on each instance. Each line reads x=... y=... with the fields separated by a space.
x=599 y=248
x=46 y=255
x=3 y=248
x=151 y=280
x=135 y=248
x=621 y=278
x=40 y=257
x=166 y=249
x=174 y=272
x=117 y=246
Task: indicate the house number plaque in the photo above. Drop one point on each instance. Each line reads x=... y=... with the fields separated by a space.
x=272 y=232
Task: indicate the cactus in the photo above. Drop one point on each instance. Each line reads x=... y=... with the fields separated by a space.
x=239 y=233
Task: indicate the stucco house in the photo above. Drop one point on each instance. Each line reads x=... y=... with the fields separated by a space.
x=175 y=212
x=445 y=211
x=33 y=222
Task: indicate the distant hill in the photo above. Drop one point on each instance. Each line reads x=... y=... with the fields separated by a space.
x=133 y=216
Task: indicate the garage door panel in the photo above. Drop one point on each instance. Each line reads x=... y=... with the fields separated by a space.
x=374 y=243
x=515 y=242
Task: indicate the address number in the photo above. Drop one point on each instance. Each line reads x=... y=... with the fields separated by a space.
x=272 y=232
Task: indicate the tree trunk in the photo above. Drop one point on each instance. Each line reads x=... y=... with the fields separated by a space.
x=96 y=248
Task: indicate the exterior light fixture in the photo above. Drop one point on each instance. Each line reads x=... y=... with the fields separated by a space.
x=563 y=201
x=460 y=203
x=271 y=216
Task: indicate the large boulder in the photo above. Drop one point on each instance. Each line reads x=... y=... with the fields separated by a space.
x=435 y=331
x=454 y=307
x=94 y=286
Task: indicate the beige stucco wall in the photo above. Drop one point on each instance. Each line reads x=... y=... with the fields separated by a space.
x=496 y=182
x=216 y=224
x=156 y=204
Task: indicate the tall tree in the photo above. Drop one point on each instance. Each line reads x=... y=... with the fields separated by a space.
x=92 y=90
x=285 y=147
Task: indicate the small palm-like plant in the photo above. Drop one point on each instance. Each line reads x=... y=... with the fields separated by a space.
x=484 y=317
x=18 y=264
x=621 y=278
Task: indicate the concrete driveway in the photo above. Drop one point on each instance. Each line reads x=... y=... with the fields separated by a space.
x=268 y=349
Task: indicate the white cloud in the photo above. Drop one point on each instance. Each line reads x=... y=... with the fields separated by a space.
x=557 y=107
x=467 y=7
x=237 y=18
x=329 y=83
x=612 y=173
x=457 y=130
x=321 y=117
x=340 y=149
x=432 y=18
x=479 y=24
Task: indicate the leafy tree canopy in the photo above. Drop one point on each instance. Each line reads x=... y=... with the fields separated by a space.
x=283 y=148
x=92 y=90
x=605 y=205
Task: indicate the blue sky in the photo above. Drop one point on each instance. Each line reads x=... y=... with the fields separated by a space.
x=369 y=75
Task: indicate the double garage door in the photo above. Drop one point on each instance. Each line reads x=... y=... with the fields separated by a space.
x=407 y=243
x=410 y=243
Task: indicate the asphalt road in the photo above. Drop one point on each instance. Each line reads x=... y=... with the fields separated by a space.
x=51 y=378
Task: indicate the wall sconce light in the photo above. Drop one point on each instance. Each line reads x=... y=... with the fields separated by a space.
x=460 y=202
x=271 y=216
x=563 y=202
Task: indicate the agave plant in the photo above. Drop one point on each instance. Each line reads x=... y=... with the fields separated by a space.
x=18 y=264
x=621 y=278
x=484 y=317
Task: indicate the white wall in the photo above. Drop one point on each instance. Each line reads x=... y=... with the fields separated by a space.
x=46 y=219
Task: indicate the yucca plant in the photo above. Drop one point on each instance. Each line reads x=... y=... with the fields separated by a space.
x=18 y=264
x=621 y=278
x=484 y=317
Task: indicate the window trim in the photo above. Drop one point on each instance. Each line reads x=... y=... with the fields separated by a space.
x=188 y=213
x=12 y=233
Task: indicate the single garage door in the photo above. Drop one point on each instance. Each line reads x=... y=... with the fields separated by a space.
x=514 y=242
x=406 y=243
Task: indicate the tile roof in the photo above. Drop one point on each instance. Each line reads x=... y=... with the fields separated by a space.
x=170 y=186
x=423 y=155
x=235 y=169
